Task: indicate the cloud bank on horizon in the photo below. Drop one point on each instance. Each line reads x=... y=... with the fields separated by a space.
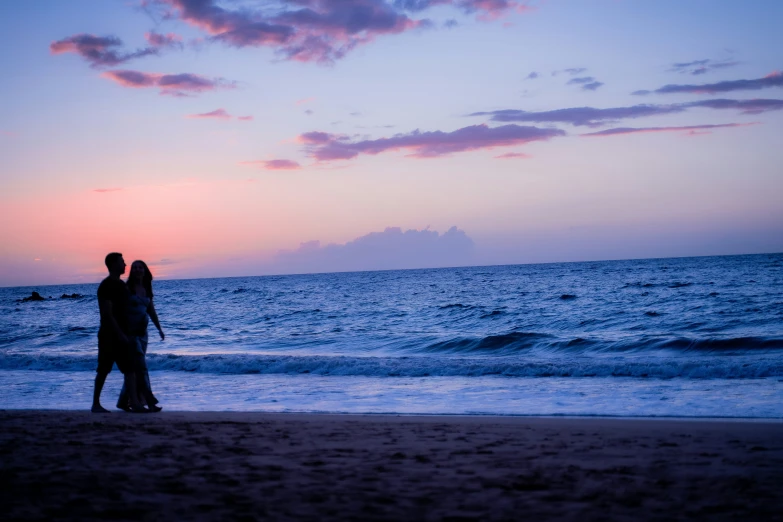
x=392 y=249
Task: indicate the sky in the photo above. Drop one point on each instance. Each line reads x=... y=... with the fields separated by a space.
x=248 y=137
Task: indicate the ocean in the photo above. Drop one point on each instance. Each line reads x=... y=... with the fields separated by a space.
x=684 y=337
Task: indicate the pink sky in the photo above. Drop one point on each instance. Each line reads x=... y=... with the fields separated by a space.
x=217 y=141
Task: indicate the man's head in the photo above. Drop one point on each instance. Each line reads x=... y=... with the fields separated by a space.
x=115 y=263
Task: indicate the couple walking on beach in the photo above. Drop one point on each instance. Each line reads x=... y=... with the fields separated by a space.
x=126 y=308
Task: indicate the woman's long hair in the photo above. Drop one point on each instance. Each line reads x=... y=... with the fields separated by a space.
x=146 y=280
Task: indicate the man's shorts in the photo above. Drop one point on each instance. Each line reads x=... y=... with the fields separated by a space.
x=110 y=351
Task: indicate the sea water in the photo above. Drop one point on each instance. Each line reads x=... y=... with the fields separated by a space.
x=692 y=337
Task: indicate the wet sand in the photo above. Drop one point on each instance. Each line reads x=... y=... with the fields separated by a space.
x=257 y=466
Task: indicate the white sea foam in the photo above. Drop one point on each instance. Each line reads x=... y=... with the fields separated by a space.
x=716 y=367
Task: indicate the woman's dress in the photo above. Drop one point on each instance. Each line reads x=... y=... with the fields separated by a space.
x=138 y=320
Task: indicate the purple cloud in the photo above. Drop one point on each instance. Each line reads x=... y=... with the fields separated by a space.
x=513 y=155
x=164 y=41
x=755 y=106
x=692 y=129
x=99 y=51
x=580 y=116
x=573 y=71
x=275 y=164
x=217 y=114
x=588 y=83
x=326 y=147
x=593 y=117
x=184 y=84
x=532 y=76
x=315 y=138
x=591 y=86
x=391 y=249
x=486 y=9
x=698 y=67
x=320 y=31
x=316 y=30
x=774 y=79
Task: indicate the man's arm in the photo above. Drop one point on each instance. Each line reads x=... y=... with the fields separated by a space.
x=154 y=316
x=107 y=317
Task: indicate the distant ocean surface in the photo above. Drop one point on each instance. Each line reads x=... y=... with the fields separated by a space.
x=692 y=337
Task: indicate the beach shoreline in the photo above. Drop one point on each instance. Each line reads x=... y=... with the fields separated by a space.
x=74 y=465
x=431 y=416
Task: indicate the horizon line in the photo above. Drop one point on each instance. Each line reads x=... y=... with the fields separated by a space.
x=422 y=268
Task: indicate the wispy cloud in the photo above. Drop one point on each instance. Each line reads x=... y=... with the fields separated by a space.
x=102 y=190
x=573 y=71
x=592 y=86
x=275 y=164
x=484 y=9
x=99 y=51
x=754 y=106
x=218 y=114
x=514 y=155
x=698 y=67
x=588 y=83
x=164 y=41
x=774 y=79
x=325 y=147
x=580 y=116
x=532 y=76
x=183 y=84
x=594 y=117
x=690 y=129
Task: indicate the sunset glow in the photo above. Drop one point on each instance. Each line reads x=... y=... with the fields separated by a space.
x=215 y=138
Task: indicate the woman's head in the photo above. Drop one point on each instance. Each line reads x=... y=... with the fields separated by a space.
x=140 y=274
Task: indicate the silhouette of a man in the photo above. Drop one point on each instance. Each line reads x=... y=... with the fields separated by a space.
x=113 y=345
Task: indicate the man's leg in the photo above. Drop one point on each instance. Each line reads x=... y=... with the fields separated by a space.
x=105 y=365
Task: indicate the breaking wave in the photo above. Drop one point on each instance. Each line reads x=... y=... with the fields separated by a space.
x=520 y=342
x=715 y=367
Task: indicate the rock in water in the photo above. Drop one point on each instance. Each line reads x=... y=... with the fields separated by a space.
x=34 y=297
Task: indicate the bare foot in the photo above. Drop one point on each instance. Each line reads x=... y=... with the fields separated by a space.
x=97 y=408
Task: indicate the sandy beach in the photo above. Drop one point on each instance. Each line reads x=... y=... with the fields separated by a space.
x=62 y=465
